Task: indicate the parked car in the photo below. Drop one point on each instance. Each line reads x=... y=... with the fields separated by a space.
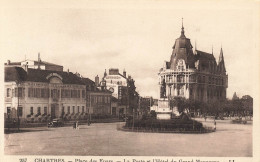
x=239 y=120
x=56 y=123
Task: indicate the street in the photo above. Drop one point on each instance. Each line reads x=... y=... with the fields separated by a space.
x=104 y=139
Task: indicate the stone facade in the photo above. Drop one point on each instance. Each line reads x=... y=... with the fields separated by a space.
x=98 y=99
x=193 y=74
x=37 y=92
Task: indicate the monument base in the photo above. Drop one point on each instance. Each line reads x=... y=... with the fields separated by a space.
x=163 y=116
x=163 y=111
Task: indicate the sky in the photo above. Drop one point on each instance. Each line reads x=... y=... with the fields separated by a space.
x=90 y=36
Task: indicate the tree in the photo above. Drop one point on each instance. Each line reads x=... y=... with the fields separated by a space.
x=181 y=103
x=153 y=114
x=133 y=96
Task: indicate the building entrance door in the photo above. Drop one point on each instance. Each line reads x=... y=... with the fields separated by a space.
x=54 y=110
x=121 y=113
x=113 y=111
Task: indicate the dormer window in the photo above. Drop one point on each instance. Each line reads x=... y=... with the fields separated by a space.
x=181 y=65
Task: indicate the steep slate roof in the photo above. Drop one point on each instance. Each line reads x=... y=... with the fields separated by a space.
x=113 y=99
x=13 y=63
x=204 y=56
x=37 y=75
x=182 y=49
x=87 y=81
x=122 y=75
x=15 y=74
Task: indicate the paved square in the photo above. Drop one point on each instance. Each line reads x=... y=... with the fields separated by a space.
x=104 y=139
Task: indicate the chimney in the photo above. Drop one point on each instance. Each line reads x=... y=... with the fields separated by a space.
x=105 y=73
x=124 y=73
x=8 y=62
x=39 y=60
x=97 y=81
x=103 y=84
x=78 y=75
x=68 y=71
x=26 y=67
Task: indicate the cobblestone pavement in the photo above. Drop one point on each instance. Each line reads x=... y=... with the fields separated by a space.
x=104 y=139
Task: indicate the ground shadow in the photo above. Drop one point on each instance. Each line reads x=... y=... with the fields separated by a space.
x=6 y=131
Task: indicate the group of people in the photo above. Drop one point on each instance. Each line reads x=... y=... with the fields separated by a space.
x=76 y=124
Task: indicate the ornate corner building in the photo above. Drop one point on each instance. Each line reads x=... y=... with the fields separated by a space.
x=193 y=74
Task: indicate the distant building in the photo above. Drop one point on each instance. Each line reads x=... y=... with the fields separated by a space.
x=43 y=65
x=118 y=110
x=145 y=104
x=34 y=92
x=247 y=102
x=98 y=99
x=117 y=84
x=235 y=96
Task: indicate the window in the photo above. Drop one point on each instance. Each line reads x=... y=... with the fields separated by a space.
x=62 y=93
x=62 y=110
x=45 y=110
x=55 y=93
x=39 y=110
x=30 y=92
x=8 y=110
x=31 y=110
x=18 y=91
x=20 y=111
x=78 y=109
x=108 y=99
x=42 y=92
x=82 y=108
x=51 y=93
x=199 y=79
x=38 y=93
x=68 y=110
x=8 y=92
x=83 y=94
x=73 y=109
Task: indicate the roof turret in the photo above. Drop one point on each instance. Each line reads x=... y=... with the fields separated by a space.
x=182 y=49
x=221 y=62
x=182 y=30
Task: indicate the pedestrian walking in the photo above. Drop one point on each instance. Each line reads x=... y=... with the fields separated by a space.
x=88 y=122
x=18 y=124
x=77 y=125
x=215 y=124
x=205 y=117
x=74 y=125
x=14 y=123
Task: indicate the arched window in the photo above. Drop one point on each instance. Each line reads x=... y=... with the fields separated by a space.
x=181 y=65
